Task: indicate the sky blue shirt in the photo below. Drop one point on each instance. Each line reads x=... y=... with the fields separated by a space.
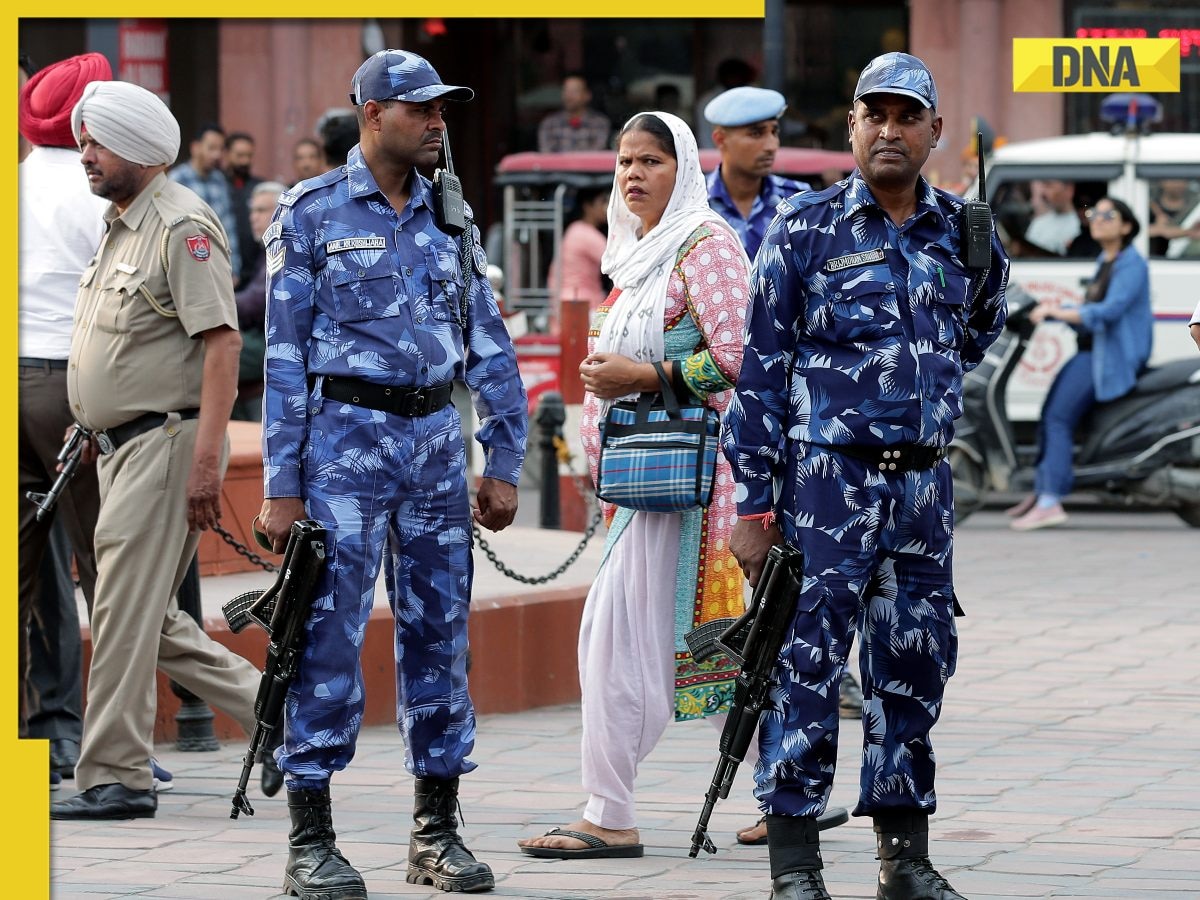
x=359 y=290
x=859 y=332
x=752 y=229
x=213 y=190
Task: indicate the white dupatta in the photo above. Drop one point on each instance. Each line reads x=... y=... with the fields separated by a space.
x=641 y=266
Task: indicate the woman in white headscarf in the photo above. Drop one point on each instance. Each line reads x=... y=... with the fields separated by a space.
x=681 y=288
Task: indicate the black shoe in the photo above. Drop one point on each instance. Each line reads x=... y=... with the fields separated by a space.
x=436 y=853
x=316 y=869
x=799 y=886
x=64 y=754
x=913 y=879
x=850 y=698
x=271 y=778
x=107 y=801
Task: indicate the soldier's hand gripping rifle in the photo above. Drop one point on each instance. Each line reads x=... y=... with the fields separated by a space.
x=753 y=641
x=282 y=610
x=68 y=457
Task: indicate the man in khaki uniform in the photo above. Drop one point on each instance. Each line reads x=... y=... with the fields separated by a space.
x=153 y=374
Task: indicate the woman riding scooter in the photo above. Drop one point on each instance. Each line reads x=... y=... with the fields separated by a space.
x=1114 y=332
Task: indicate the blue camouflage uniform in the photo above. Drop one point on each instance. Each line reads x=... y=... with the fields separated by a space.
x=359 y=290
x=751 y=229
x=858 y=337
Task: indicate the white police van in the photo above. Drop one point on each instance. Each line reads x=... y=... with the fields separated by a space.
x=1157 y=175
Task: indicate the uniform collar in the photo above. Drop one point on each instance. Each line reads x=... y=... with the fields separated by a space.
x=137 y=211
x=717 y=190
x=361 y=183
x=858 y=196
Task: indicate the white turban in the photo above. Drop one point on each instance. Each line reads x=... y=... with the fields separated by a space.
x=129 y=120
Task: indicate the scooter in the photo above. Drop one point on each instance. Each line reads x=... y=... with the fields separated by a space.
x=1142 y=449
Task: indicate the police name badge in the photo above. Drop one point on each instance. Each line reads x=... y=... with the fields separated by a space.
x=357 y=243
x=854 y=259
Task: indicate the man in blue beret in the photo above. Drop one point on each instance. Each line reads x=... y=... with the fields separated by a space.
x=374 y=309
x=863 y=320
x=742 y=189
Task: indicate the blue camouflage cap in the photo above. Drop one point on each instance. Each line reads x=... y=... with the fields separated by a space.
x=898 y=73
x=744 y=106
x=400 y=75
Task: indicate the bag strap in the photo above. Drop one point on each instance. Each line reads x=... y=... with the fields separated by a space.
x=665 y=392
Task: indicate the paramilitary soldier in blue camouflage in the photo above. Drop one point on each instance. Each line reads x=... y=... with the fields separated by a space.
x=742 y=189
x=863 y=320
x=366 y=318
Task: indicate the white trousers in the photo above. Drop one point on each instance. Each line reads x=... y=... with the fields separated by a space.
x=627 y=663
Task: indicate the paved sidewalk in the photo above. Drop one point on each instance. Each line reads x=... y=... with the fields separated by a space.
x=1069 y=751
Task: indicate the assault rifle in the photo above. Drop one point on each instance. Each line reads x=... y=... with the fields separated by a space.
x=68 y=458
x=282 y=610
x=752 y=641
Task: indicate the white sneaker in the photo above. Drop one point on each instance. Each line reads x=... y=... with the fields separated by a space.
x=163 y=780
x=1040 y=517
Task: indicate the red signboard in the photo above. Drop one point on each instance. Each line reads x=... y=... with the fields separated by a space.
x=142 y=54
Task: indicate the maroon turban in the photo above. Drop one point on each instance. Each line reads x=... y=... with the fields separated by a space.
x=44 y=107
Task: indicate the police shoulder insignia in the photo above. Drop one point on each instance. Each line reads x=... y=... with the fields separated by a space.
x=274 y=230
x=199 y=247
x=290 y=196
x=480 y=258
x=275 y=259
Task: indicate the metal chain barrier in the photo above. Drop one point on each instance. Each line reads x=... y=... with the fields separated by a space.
x=245 y=551
x=564 y=456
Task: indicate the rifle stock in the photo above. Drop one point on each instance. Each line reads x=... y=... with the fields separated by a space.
x=754 y=640
x=282 y=610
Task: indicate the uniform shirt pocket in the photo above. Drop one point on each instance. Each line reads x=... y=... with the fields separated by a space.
x=863 y=305
x=363 y=288
x=115 y=307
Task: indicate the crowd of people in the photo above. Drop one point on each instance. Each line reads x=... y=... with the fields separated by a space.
x=831 y=328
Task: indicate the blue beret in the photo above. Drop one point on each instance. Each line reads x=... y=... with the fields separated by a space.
x=744 y=106
x=898 y=73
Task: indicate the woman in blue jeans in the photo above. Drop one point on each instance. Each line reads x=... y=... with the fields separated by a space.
x=1114 y=331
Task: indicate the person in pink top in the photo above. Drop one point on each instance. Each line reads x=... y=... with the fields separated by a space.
x=575 y=272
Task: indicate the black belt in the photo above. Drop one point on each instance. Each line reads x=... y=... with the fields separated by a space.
x=112 y=438
x=896 y=458
x=403 y=401
x=33 y=362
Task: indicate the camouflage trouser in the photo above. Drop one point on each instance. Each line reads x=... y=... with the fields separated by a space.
x=384 y=481
x=877 y=555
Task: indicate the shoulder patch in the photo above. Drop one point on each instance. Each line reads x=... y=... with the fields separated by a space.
x=273 y=233
x=199 y=247
x=480 y=258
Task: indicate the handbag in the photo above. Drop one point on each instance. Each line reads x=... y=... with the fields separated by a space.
x=656 y=454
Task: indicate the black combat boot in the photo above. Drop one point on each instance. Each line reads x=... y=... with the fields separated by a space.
x=436 y=853
x=316 y=869
x=905 y=872
x=794 y=845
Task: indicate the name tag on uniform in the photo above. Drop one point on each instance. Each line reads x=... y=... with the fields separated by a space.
x=854 y=259
x=358 y=243
x=126 y=268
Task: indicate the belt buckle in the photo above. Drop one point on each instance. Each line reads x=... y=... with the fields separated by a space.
x=105 y=443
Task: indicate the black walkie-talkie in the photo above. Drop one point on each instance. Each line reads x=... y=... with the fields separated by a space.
x=975 y=222
x=449 y=209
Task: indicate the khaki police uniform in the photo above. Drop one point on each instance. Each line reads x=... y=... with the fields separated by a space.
x=160 y=278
